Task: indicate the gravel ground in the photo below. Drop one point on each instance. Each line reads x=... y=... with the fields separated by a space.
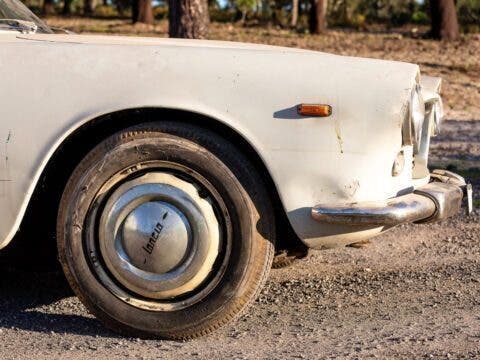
x=414 y=292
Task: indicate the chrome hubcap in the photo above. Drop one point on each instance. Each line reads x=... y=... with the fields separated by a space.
x=158 y=237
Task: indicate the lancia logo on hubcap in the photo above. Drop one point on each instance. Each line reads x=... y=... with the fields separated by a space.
x=152 y=240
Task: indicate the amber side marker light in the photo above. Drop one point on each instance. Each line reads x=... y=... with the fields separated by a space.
x=320 y=110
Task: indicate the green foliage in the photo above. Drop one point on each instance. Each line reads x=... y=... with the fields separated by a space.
x=469 y=15
x=420 y=17
x=245 y=5
x=105 y=11
x=357 y=13
x=391 y=12
x=76 y=6
x=222 y=15
x=160 y=12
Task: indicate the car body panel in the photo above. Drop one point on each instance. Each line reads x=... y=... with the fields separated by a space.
x=53 y=84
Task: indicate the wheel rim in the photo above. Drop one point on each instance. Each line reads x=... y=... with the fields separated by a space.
x=161 y=237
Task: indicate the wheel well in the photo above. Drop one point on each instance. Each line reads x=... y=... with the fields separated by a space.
x=39 y=221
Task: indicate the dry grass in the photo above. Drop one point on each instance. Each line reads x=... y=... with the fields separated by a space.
x=457 y=63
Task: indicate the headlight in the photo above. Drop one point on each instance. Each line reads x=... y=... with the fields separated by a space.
x=417 y=115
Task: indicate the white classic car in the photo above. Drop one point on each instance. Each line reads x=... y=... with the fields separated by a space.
x=167 y=170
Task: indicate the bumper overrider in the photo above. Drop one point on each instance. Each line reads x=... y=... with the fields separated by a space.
x=438 y=200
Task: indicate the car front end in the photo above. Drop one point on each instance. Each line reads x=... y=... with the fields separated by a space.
x=434 y=196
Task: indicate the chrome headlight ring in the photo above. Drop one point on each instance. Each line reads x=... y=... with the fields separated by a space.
x=417 y=115
x=438 y=115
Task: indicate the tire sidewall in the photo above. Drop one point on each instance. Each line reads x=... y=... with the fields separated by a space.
x=250 y=250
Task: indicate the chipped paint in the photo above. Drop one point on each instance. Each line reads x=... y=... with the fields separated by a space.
x=9 y=136
x=4 y=176
x=339 y=135
x=4 y=169
x=352 y=188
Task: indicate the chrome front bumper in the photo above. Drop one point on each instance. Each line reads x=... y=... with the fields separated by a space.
x=435 y=201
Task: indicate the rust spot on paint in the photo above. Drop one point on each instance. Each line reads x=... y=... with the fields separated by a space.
x=339 y=136
x=352 y=188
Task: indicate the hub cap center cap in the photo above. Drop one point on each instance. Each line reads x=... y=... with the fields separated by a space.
x=156 y=237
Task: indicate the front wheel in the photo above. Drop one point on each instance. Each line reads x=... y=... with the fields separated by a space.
x=165 y=230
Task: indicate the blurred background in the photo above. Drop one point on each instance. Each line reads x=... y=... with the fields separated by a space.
x=440 y=18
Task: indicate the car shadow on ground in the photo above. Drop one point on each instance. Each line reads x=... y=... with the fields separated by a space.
x=28 y=302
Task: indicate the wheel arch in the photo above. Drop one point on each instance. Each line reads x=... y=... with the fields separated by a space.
x=40 y=213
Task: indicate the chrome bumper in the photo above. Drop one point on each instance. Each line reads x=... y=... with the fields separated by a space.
x=435 y=201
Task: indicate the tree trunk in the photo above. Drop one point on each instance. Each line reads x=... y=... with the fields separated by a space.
x=444 y=20
x=88 y=7
x=48 y=8
x=244 y=16
x=67 y=7
x=294 y=21
x=318 y=16
x=120 y=5
x=188 y=19
x=142 y=12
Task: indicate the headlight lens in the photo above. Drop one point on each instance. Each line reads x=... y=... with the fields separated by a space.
x=417 y=115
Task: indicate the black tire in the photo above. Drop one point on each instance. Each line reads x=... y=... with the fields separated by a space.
x=236 y=181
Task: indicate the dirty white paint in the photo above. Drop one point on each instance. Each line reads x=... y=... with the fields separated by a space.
x=4 y=164
x=52 y=84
